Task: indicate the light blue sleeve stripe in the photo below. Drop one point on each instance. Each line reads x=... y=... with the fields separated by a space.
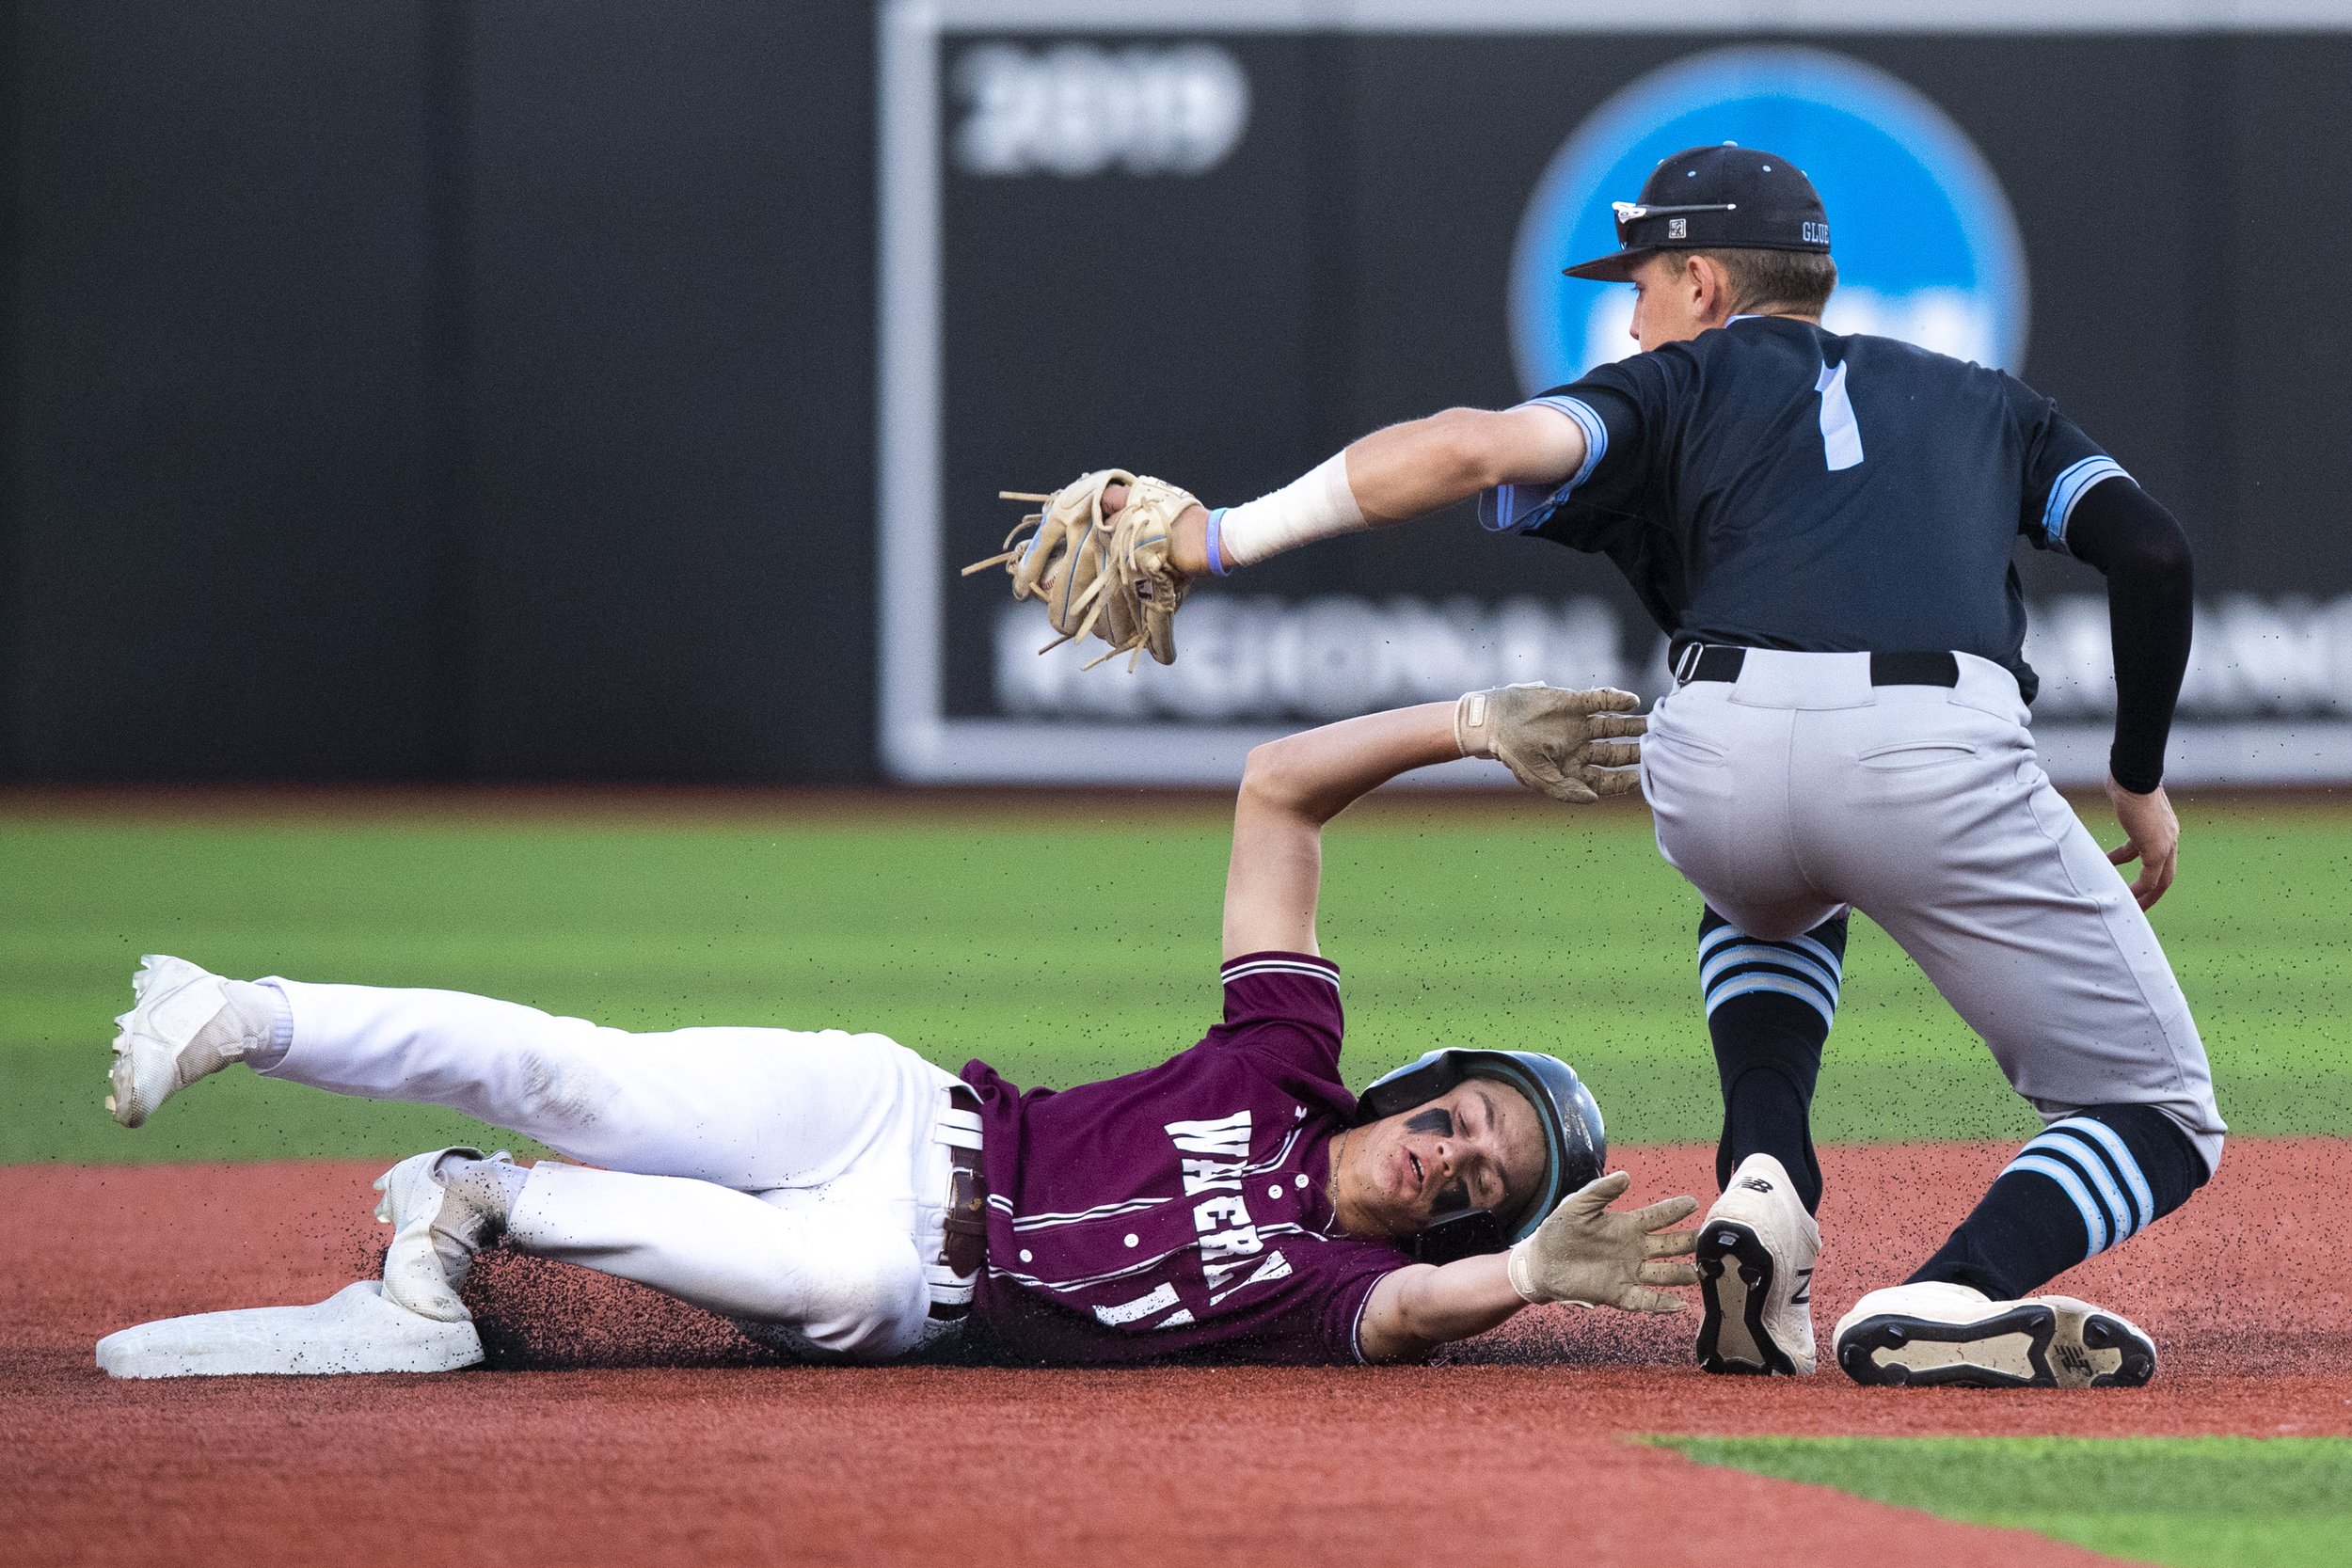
x=2069 y=488
x=2112 y=1141
x=2094 y=1221
x=1784 y=985
x=1732 y=958
x=1596 y=435
x=1518 y=508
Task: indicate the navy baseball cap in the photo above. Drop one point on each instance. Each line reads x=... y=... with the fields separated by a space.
x=1727 y=197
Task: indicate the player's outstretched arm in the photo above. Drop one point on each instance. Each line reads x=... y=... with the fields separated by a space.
x=1290 y=789
x=1113 y=554
x=1576 y=747
x=1584 y=1253
x=1388 y=477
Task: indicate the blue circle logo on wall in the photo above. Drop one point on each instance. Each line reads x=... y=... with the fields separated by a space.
x=1926 y=246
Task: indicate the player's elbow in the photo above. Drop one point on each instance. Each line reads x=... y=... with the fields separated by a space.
x=1472 y=448
x=1275 y=777
x=1393 y=1326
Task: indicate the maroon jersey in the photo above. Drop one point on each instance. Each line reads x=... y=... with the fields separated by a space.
x=1183 y=1210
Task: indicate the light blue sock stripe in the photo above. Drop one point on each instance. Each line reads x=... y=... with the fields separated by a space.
x=2065 y=1146
x=1719 y=935
x=1770 y=953
x=2094 y=1221
x=2112 y=1141
x=1725 y=988
x=1784 y=985
x=1819 y=950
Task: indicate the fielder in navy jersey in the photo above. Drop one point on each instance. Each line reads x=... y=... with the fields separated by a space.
x=1824 y=526
x=841 y=1197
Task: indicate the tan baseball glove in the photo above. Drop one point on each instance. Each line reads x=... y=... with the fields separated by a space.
x=1107 y=578
x=1562 y=742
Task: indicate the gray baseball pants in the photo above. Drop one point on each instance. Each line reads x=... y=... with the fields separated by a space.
x=1800 y=788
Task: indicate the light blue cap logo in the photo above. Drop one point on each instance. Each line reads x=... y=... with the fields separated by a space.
x=1926 y=248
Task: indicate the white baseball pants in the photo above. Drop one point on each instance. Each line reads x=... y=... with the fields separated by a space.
x=797 y=1181
x=1801 y=787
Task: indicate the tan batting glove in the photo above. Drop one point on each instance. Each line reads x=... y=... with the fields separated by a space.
x=1586 y=1255
x=1561 y=742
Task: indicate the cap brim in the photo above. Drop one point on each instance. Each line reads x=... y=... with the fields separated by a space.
x=1615 y=267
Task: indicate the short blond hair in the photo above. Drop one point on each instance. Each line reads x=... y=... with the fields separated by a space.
x=1800 y=281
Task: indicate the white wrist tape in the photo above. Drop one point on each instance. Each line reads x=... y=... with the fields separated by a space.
x=1519 y=1269
x=1318 y=505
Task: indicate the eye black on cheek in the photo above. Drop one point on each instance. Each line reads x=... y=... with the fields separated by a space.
x=1436 y=1119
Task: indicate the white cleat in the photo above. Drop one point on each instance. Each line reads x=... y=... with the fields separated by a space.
x=174 y=1034
x=1756 y=1256
x=435 y=1234
x=1937 y=1334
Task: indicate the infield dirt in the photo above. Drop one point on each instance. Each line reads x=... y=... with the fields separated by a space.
x=623 y=1428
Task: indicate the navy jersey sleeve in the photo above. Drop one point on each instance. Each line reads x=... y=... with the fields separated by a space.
x=2061 y=466
x=1622 y=409
x=1286 y=1007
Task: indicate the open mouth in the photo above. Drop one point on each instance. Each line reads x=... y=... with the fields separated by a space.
x=1421 y=1178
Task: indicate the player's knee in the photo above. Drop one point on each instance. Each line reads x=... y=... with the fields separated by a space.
x=871 y=1302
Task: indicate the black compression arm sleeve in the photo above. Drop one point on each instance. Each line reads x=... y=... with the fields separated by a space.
x=2120 y=529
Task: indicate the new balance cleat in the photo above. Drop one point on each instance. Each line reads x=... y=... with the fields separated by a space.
x=1756 y=1256
x=1935 y=1335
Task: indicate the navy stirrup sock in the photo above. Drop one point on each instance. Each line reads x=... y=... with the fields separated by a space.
x=2088 y=1183
x=1769 y=1010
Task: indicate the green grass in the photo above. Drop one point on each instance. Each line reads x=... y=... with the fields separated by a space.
x=1061 y=955
x=2186 y=1502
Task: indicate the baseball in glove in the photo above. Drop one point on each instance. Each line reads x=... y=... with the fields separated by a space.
x=1103 y=576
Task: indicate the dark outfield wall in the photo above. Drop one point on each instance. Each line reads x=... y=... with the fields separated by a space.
x=412 y=388
x=439 y=388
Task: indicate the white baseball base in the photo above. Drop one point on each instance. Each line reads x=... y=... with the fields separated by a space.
x=355 y=1330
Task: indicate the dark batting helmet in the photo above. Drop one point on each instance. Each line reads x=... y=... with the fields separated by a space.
x=1575 y=1146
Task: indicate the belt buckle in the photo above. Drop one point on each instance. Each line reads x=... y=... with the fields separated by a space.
x=1686 y=665
x=963 y=1227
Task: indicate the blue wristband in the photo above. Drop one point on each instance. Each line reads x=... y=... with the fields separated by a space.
x=1216 y=529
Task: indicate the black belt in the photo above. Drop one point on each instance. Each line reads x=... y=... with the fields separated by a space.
x=965 y=1244
x=1713 y=661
